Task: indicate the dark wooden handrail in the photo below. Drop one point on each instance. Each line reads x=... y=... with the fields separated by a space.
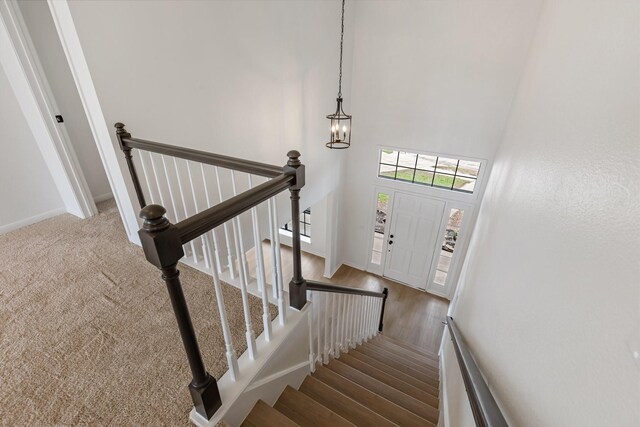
x=207 y=220
x=483 y=405
x=242 y=165
x=328 y=287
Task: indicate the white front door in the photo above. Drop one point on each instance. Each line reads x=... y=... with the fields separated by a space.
x=412 y=238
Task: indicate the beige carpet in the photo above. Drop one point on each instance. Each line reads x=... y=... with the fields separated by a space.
x=87 y=334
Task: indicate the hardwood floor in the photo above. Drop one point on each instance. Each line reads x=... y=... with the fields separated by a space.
x=411 y=316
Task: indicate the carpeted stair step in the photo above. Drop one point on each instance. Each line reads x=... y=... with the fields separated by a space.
x=305 y=411
x=382 y=406
x=391 y=380
x=399 y=365
x=393 y=395
x=408 y=361
x=396 y=373
x=342 y=404
x=263 y=415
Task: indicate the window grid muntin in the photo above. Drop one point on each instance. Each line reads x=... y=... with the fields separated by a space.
x=305 y=224
x=436 y=171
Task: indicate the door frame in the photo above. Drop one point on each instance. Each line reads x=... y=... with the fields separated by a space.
x=20 y=62
x=461 y=245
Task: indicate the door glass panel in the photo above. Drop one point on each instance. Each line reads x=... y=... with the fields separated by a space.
x=382 y=208
x=448 y=246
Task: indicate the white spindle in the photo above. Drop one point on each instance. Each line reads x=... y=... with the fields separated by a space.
x=347 y=325
x=242 y=259
x=194 y=253
x=197 y=208
x=251 y=336
x=369 y=318
x=227 y=239
x=155 y=176
x=216 y=244
x=282 y=309
x=360 y=319
x=338 y=326
x=146 y=175
x=312 y=357
x=168 y=181
x=232 y=359
x=343 y=327
x=333 y=324
x=317 y=303
x=272 y=230
x=326 y=328
x=260 y=274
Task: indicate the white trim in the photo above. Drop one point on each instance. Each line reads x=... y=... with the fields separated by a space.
x=277 y=375
x=28 y=81
x=103 y=197
x=444 y=393
x=31 y=220
x=89 y=97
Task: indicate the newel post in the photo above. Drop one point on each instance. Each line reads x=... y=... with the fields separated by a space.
x=385 y=291
x=297 y=286
x=163 y=248
x=121 y=133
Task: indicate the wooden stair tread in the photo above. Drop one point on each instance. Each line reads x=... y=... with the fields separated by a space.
x=421 y=375
x=263 y=415
x=385 y=408
x=342 y=404
x=419 y=365
x=392 y=371
x=398 y=343
x=305 y=411
x=393 y=395
x=392 y=381
x=432 y=360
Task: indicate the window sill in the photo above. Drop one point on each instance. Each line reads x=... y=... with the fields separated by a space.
x=290 y=235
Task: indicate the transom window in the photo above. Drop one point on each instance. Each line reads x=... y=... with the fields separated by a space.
x=429 y=170
x=305 y=224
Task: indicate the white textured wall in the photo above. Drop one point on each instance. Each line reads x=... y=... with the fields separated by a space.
x=550 y=302
x=250 y=79
x=45 y=39
x=430 y=75
x=27 y=190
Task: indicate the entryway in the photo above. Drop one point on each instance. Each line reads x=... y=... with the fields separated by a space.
x=419 y=240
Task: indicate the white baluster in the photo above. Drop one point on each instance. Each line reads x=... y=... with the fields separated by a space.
x=327 y=308
x=282 y=309
x=194 y=253
x=312 y=357
x=260 y=274
x=197 y=208
x=216 y=244
x=227 y=239
x=338 y=341
x=251 y=336
x=155 y=176
x=360 y=320
x=171 y=197
x=317 y=303
x=343 y=327
x=146 y=175
x=333 y=324
x=347 y=328
x=242 y=259
x=352 y=317
x=369 y=318
x=377 y=321
x=232 y=358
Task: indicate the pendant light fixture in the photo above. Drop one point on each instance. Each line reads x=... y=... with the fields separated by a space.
x=340 y=121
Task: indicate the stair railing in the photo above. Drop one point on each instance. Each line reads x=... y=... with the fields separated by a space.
x=182 y=220
x=342 y=318
x=486 y=412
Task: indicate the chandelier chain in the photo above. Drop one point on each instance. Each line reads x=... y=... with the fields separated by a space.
x=341 y=43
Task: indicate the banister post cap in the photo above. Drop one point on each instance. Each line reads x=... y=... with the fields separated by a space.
x=154 y=219
x=120 y=127
x=294 y=158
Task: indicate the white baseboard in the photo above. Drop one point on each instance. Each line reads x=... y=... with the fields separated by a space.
x=31 y=220
x=103 y=197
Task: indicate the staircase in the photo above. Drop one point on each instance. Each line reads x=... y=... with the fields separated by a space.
x=383 y=382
